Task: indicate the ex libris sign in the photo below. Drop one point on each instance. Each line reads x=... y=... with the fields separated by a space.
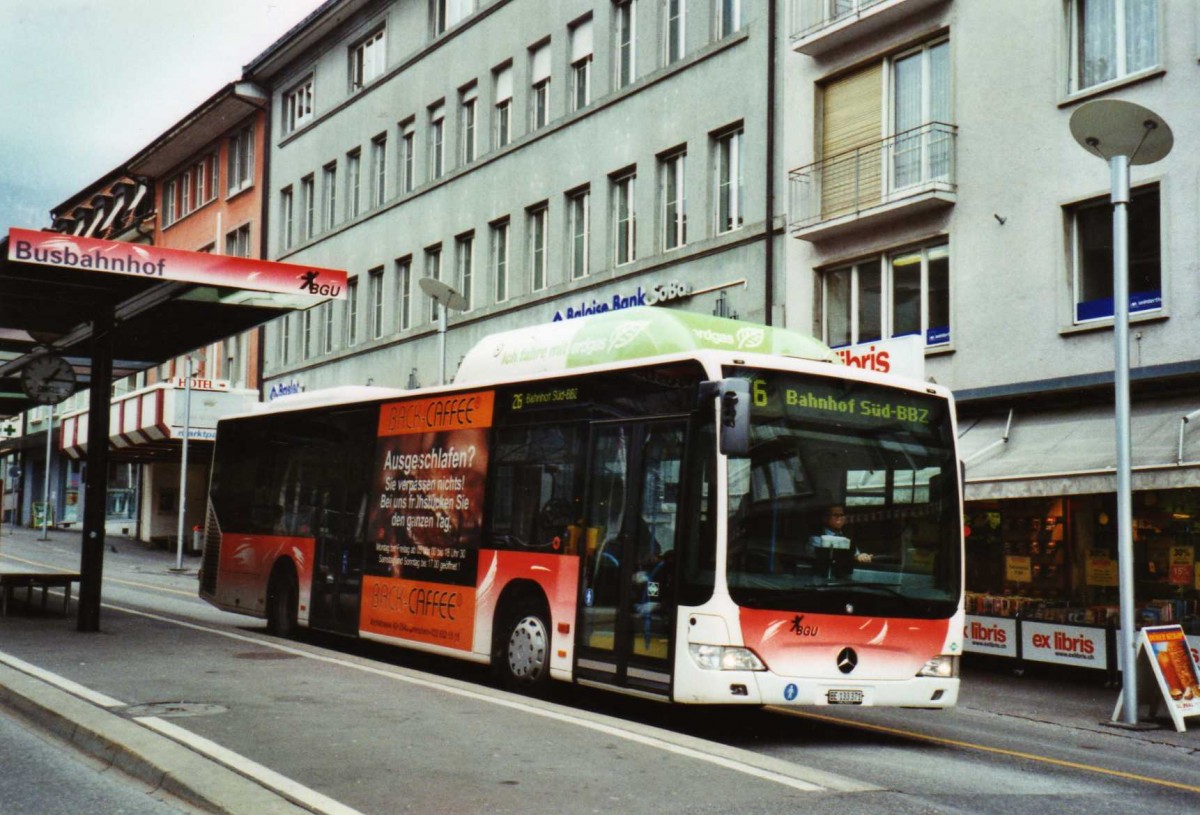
x=153 y=262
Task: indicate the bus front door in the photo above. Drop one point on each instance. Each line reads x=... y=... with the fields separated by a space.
x=628 y=602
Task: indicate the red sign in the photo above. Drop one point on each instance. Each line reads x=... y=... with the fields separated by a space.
x=153 y=262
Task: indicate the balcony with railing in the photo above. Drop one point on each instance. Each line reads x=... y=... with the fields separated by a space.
x=904 y=175
x=822 y=25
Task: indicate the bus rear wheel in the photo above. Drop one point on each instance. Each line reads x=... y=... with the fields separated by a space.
x=525 y=660
x=282 y=601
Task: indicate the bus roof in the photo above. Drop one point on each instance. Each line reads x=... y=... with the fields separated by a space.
x=628 y=334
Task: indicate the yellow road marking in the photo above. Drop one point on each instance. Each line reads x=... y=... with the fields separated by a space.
x=1001 y=751
x=107 y=579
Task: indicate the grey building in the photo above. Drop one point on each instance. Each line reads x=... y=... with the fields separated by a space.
x=546 y=159
x=936 y=190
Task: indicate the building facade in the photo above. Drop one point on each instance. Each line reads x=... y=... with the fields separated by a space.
x=936 y=191
x=197 y=187
x=546 y=160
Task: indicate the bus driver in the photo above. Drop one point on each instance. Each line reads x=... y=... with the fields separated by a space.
x=834 y=521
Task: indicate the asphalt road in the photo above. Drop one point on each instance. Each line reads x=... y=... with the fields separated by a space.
x=48 y=778
x=381 y=730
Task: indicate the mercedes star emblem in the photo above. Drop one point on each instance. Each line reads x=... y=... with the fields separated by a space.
x=847 y=660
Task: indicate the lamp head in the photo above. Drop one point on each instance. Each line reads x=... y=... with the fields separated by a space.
x=1114 y=127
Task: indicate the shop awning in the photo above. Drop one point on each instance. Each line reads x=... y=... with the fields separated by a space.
x=148 y=424
x=1073 y=451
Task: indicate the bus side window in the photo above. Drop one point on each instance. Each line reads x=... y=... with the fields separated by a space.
x=536 y=484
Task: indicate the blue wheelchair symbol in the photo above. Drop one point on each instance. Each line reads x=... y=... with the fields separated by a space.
x=791 y=692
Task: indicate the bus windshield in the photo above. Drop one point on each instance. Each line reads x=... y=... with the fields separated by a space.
x=848 y=502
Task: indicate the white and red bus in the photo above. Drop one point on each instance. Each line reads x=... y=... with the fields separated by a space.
x=634 y=500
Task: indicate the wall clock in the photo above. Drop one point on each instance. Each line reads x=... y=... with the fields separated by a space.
x=48 y=379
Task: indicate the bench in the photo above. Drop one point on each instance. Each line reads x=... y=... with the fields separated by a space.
x=33 y=580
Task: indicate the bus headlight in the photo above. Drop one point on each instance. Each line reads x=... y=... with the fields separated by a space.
x=725 y=658
x=941 y=667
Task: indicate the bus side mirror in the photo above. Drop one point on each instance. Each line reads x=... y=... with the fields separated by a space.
x=734 y=413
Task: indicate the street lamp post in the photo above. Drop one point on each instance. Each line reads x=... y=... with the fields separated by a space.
x=46 y=480
x=447 y=297
x=183 y=463
x=1122 y=134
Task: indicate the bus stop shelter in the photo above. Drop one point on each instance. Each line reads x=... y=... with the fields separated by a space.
x=81 y=312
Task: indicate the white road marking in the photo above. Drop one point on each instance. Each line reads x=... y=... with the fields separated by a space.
x=60 y=682
x=734 y=759
x=293 y=791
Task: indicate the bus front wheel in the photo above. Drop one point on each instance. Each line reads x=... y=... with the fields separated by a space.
x=525 y=658
x=282 y=600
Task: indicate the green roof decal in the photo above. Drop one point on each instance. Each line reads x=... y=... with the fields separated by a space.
x=625 y=335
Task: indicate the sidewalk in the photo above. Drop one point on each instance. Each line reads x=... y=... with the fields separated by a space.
x=157 y=664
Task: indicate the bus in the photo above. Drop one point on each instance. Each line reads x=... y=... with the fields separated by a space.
x=632 y=500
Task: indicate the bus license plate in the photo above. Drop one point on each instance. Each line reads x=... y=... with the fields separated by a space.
x=845 y=697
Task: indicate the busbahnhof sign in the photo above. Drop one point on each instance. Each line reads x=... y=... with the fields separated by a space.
x=76 y=312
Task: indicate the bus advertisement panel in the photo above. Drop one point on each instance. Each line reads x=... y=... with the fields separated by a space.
x=426 y=518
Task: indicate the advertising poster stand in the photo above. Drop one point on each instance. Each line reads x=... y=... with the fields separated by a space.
x=1163 y=652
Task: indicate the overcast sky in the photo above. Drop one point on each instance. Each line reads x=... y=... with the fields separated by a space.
x=84 y=84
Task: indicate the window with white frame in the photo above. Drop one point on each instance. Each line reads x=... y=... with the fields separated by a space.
x=298 y=106
x=329 y=204
x=379 y=170
x=672 y=176
x=308 y=194
x=885 y=127
x=352 y=312
x=375 y=298
x=285 y=339
x=433 y=268
x=729 y=17
x=468 y=107
x=237 y=242
x=1092 y=255
x=502 y=79
x=368 y=59
x=404 y=292
x=624 y=218
x=730 y=181
x=539 y=228
x=448 y=13
x=539 y=97
x=353 y=183
x=241 y=160
x=625 y=42
x=1111 y=39
x=499 y=254
x=408 y=157
x=327 y=329
x=920 y=97
x=308 y=341
x=892 y=295
x=437 y=141
x=579 y=231
x=287 y=217
x=464 y=250
x=581 y=64
x=190 y=189
x=674 y=31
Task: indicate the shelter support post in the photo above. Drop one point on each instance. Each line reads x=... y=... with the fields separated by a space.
x=95 y=501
